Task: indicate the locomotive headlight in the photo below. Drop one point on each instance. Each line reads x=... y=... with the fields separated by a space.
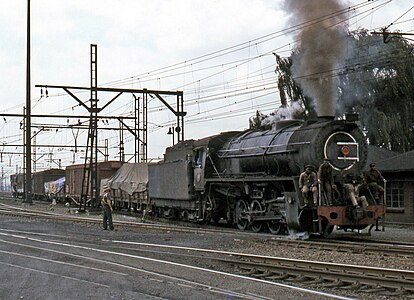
x=345 y=150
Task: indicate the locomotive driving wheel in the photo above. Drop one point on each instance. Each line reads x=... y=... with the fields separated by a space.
x=255 y=208
x=275 y=226
x=241 y=215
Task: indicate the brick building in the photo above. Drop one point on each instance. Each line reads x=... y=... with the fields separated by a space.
x=398 y=170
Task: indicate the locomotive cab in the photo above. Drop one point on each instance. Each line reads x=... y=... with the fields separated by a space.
x=200 y=156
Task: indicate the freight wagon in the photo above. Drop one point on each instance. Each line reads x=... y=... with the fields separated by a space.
x=74 y=177
x=129 y=187
x=39 y=179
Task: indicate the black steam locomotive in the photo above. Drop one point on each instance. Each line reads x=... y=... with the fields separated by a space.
x=251 y=178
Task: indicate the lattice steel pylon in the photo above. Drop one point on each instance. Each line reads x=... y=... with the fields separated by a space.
x=90 y=170
x=141 y=126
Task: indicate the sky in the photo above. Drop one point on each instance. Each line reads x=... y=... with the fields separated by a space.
x=218 y=52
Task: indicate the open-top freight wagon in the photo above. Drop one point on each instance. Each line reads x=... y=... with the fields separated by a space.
x=74 y=177
x=39 y=179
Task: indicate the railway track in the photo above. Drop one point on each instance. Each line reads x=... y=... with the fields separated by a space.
x=277 y=268
x=364 y=247
x=358 y=247
x=21 y=212
x=319 y=275
x=118 y=257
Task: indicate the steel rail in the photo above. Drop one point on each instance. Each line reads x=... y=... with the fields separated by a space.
x=278 y=268
x=269 y=267
x=347 y=274
x=98 y=220
x=117 y=263
x=353 y=247
x=357 y=247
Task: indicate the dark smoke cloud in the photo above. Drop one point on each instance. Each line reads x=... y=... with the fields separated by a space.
x=321 y=47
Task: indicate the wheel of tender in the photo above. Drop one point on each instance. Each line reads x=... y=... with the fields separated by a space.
x=256 y=207
x=241 y=214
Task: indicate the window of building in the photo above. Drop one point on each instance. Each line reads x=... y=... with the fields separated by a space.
x=395 y=195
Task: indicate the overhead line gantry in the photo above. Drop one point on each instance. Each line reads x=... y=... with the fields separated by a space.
x=90 y=178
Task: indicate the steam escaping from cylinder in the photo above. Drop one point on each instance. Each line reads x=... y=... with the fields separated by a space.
x=290 y=112
x=298 y=235
x=321 y=47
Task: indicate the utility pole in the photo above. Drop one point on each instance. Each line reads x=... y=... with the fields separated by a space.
x=2 y=179
x=388 y=35
x=121 y=144
x=28 y=185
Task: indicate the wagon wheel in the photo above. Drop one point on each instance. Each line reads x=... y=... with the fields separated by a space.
x=256 y=207
x=240 y=214
x=275 y=226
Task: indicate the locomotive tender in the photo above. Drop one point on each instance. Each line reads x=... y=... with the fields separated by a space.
x=250 y=179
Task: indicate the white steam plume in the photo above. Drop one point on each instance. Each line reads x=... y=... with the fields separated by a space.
x=284 y=113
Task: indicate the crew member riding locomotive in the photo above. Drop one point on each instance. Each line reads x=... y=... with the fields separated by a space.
x=374 y=179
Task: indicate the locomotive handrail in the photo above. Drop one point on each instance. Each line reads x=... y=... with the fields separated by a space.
x=346 y=143
x=258 y=154
x=264 y=147
x=347 y=158
x=384 y=200
x=214 y=166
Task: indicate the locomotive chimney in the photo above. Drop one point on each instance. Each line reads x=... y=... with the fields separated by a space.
x=326 y=118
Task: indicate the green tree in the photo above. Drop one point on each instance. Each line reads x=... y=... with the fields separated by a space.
x=289 y=90
x=378 y=83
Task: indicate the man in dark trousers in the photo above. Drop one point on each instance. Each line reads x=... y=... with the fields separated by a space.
x=106 y=202
x=326 y=181
x=373 y=178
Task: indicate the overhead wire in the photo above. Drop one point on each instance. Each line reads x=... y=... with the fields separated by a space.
x=204 y=58
x=241 y=46
x=392 y=23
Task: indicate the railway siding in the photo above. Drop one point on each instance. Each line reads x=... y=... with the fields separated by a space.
x=323 y=264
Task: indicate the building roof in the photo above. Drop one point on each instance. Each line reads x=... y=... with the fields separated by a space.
x=377 y=155
x=395 y=162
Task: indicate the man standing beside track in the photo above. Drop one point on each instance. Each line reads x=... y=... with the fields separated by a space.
x=106 y=202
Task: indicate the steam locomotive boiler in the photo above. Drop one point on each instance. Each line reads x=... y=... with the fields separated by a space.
x=251 y=178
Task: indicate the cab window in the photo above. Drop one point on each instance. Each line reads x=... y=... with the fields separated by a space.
x=198 y=158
